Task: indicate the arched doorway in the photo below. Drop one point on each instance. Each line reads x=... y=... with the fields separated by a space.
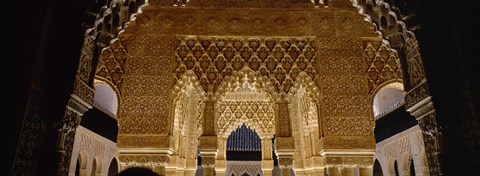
x=244 y=152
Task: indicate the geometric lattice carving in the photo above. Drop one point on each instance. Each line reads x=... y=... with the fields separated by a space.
x=245 y=100
x=111 y=64
x=259 y=115
x=213 y=59
x=383 y=65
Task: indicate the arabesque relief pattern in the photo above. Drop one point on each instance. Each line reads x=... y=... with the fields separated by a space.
x=213 y=59
x=383 y=65
x=255 y=113
x=164 y=43
x=342 y=79
x=111 y=64
x=146 y=105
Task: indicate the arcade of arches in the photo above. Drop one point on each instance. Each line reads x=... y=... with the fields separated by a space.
x=318 y=78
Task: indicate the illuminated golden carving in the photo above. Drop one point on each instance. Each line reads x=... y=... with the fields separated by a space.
x=111 y=64
x=214 y=59
x=185 y=74
x=383 y=65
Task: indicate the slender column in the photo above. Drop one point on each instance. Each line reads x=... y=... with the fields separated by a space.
x=221 y=161
x=208 y=152
x=284 y=142
x=348 y=171
x=267 y=158
x=366 y=171
x=209 y=140
x=333 y=170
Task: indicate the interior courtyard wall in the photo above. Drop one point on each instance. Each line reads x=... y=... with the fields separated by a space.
x=400 y=148
x=92 y=146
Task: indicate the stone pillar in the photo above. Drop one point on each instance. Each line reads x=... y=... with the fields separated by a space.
x=366 y=171
x=333 y=170
x=284 y=149
x=267 y=158
x=348 y=171
x=209 y=140
x=221 y=160
x=208 y=152
x=418 y=102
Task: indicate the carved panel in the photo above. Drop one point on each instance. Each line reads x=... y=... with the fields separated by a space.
x=85 y=64
x=431 y=139
x=382 y=63
x=282 y=143
x=283 y=124
x=208 y=142
x=144 y=141
x=250 y=22
x=146 y=104
x=143 y=160
x=111 y=64
x=347 y=142
x=209 y=119
x=416 y=95
x=366 y=161
x=345 y=101
x=214 y=59
x=257 y=114
x=82 y=90
x=414 y=62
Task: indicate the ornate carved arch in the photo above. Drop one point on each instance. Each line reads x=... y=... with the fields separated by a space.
x=245 y=97
x=100 y=81
x=182 y=91
x=304 y=80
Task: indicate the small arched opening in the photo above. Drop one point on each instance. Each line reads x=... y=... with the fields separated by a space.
x=113 y=167
x=377 y=169
x=244 y=152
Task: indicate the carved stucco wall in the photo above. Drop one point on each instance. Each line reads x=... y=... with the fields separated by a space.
x=92 y=146
x=401 y=147
x=328 y=45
